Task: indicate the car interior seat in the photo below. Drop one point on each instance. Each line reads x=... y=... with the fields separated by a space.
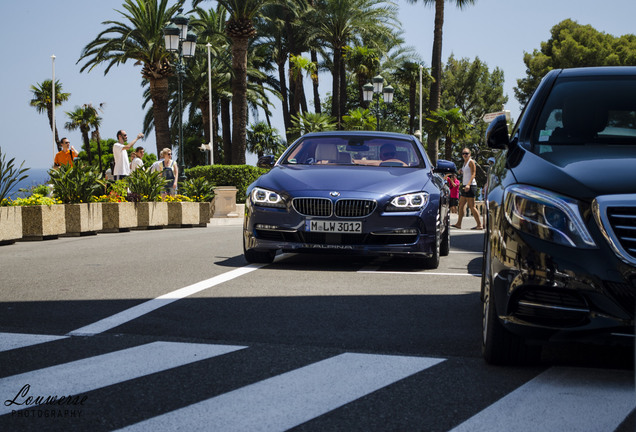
x=326 y=153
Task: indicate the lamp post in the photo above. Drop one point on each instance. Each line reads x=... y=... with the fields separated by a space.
x=369 y=90
x=178 y=40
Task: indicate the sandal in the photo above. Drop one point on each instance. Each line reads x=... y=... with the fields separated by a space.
x=455 y=226
x=477 y=228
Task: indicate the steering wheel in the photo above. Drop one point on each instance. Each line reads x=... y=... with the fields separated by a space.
x=392 y=162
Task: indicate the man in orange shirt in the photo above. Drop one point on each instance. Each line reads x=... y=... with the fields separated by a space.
x=64 y=156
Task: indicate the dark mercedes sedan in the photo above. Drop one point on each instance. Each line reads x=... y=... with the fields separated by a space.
x=369 y=193
x=560 y=246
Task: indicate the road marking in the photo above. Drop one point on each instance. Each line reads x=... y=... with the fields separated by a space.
x=561 y=399
x=9 y=341
x=161 y=301
x=290 y=399
x=92 y=373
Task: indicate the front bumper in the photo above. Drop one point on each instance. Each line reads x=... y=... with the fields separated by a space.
x=382 y=233
x=547 y=292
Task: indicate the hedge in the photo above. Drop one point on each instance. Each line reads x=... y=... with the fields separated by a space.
x=240 y=176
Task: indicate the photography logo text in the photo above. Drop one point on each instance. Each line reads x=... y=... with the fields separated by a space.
x=24 y=404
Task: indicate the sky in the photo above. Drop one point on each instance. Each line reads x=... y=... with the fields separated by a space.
x=496 y=31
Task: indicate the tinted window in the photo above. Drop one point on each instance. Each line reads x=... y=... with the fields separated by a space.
x=588 y=111
x=348 y=150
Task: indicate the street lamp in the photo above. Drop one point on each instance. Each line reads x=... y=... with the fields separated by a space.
x=368 y=90
x=179 y=40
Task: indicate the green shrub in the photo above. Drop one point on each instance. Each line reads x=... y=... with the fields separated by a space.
x=33 y=200
x=198 y=188
x=9 y=175
x=145 y=185
x=76 y=183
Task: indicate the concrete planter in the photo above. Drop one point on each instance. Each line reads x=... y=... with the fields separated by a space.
x=183 y=214
x=205 y=213
x=83 y=219
x=118 y=216
x=43 y=222
x=224 y=202
x=10 y=224
x=152 y=214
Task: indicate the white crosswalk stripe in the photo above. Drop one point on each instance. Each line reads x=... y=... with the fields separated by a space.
x=93 y=373
x=287 y=400
x=572 y=399
x=561 y=399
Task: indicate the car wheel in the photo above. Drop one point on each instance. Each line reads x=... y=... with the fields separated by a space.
x=258 y=257
x=499 y=346
x=432 y=262
x=444 y=247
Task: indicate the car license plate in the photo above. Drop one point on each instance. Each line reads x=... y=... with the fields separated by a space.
x=333 y=226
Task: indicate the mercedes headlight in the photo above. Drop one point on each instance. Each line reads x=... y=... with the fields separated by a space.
x=408 y=202
x=547 y=215
x=267 y=198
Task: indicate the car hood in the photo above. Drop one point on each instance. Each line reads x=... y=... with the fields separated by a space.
x=356 y=179
x=583 y=172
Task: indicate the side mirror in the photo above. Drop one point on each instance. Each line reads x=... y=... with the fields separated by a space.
x=266 y=161
x=445 y=167
x=497 y=133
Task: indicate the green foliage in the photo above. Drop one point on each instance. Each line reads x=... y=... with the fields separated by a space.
x=145 y=185
x=574 y=45
x=198 y=188
x=33 y=200
x=311 y=122
x=359 y=119
x=9 y=175
x=76 y=183
x=262 y=139
x=240 y=176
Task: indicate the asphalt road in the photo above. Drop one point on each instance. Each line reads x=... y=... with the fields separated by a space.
x=167 y=329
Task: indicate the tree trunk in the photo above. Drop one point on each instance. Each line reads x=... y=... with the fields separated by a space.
x=87 y=144
x=160 y=97
x=239 y=99
x=227 y=127
x=314 y=59
x=436 y=72
x=335 y=85
x=285 y=100
x=343 y=93
x=448 y=147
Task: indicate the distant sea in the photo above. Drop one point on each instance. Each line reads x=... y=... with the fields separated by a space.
x=36 y=176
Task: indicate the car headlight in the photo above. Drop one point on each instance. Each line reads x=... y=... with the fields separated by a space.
x=547 y=215
x=268 y=198
x=408 y=202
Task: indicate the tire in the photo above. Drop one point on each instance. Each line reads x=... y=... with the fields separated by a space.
x=499 y=346
x=444 y=247
x=432 y=262
x=258 y=257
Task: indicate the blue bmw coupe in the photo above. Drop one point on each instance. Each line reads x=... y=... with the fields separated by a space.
x=372 y=193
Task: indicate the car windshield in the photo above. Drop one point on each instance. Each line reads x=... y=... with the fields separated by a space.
x=587 y=111
x=359 y=151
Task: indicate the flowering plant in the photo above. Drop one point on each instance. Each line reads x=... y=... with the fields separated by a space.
x=177 y=198
x=112 y=196
x=33 y=200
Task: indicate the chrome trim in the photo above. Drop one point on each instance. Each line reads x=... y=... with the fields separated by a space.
x=600 y=207
x=354 y=208
x=552 y=307
x=318 y=207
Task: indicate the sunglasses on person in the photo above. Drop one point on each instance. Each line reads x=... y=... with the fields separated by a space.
x=465 y=153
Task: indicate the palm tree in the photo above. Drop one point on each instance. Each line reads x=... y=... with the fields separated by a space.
x=340 y=21
x=408 y=74
x=436 y=63
x=83 y=118
x=141 y=40
x=312 y=122
x=42 y=100
x=262 y=138
x=240 y=28
x=450 y=124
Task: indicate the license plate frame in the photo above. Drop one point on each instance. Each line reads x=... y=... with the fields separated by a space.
x=333 y=227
